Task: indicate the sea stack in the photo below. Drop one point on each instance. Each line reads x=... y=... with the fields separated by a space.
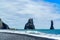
x=29 y=24
x=3 y=25
x=51 y=27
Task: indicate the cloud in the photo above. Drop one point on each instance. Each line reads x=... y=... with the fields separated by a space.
x=39 y=9
x=17 y=12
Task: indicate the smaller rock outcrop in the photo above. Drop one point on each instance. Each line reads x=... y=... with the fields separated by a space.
x=3 y=25
x=29 y=24
x=51 y=27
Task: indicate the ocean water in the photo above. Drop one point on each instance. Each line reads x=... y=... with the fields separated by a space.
x=48 y=31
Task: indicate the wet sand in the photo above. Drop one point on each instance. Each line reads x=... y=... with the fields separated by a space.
x=13 y=36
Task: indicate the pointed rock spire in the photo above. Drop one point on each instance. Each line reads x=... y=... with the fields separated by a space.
x=29 y=24
x=51 y=27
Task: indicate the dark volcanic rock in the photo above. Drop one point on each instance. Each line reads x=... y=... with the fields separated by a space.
x=3 y=25
x=29 y=24
x=52 y=27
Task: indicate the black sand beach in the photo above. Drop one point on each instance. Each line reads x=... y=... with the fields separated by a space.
x=13 y=36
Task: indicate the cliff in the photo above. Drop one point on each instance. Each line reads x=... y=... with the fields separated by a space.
x=3 y=25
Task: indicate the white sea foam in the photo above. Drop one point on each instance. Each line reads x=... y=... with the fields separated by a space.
x=34 y=33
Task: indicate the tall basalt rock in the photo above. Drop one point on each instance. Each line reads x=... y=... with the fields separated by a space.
x=29 y=24
x=52 y=27
x=3 y=25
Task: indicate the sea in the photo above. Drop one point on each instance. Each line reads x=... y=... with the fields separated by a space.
x=47 y=31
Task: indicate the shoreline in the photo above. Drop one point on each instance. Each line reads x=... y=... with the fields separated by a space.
x=27 y=35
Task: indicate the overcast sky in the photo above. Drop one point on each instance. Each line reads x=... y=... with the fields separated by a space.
x=16 y=13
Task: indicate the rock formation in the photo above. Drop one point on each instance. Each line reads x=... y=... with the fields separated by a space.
x=29 y=24
x=52 y=27
x=3 y=25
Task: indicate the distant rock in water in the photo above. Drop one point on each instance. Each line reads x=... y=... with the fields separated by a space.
x=29 y=24
x=52 y=27
x=3 y=25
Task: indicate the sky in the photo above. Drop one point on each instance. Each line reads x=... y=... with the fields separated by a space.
x=16 y=13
